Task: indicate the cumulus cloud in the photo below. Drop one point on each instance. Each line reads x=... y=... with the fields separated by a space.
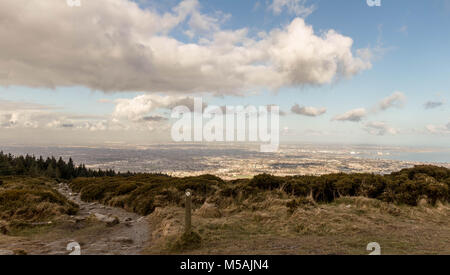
x=433 y=104
x=355 y=115
x=271 y=108
x=397 y=99
x=23 y=115
x=297 y=7
x=379 y=128
x=201 y=24
x=438 y=129
x=114 y=45
x=135 y=109
x=224 y=109
x=308 y=111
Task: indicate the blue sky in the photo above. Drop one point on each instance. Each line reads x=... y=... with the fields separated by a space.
x=408 y=40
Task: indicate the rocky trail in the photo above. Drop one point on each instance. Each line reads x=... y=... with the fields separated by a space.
x=128 y=234
x=117 y=232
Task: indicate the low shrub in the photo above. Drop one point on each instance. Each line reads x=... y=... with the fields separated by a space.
x=266 y=182
x=24 y=201
x=142 y=193
x=126 y=188
x=436 y=192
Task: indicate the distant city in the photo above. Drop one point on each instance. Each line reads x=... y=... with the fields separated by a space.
x=231 y=161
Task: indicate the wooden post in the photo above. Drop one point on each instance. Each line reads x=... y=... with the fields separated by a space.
x=188 y=206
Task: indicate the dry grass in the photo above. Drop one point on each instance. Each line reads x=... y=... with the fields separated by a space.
x=343 y=227
x=25 y=201
x=268 y=215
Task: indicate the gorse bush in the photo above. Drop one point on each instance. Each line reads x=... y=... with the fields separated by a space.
x=24 y=200
x=126 y=188
x=437 y=191
x=143 y=193
x=266 y=182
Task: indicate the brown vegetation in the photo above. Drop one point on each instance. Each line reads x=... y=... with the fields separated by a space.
x=143 y=193
x=26 y=201
x=407 y=212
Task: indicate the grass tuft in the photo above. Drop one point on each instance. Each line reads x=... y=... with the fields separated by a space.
x=188 y=241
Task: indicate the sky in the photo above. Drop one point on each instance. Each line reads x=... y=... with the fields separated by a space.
x=110 y=71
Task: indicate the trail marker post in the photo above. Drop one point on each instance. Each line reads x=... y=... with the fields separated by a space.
x=188 y=206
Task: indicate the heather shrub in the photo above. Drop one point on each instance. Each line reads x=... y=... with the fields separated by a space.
x=24 y=201
x=142 y=193
x=266 y=182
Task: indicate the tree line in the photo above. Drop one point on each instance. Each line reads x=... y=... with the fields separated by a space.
x=49 y=167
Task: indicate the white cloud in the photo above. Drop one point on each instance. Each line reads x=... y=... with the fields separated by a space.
x=22 y=114
x=397 y=99
x=201 y=23
x=297 y=7
x=137 y=108
x=95 y=126
x=113 y=45
x=308 y=111
x=379 y=128
x=438 y=129
x=138 y=114
x=355 y=115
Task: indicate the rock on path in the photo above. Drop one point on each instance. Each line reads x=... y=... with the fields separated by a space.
x=129 y=231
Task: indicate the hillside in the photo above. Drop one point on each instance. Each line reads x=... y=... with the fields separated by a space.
x=407 y=212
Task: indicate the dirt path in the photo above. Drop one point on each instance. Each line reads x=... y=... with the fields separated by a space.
x=101 y=235
x=128 y=237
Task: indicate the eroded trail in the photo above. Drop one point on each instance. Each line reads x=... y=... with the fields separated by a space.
x=98 y=229
x=129 y=236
